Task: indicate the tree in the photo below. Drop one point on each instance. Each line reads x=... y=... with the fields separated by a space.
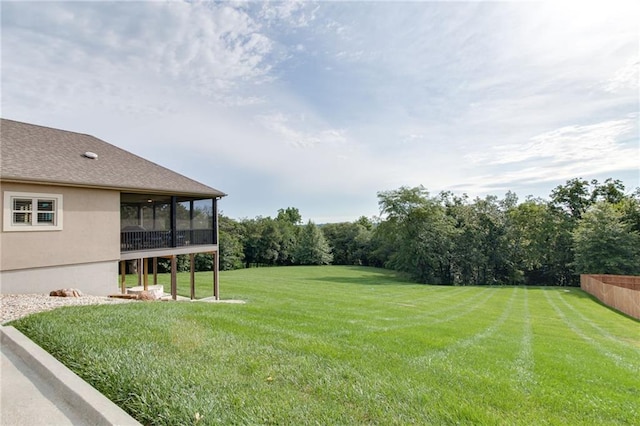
x=291 y=215
x=629 y=208
x=349 y=242
x=574 y=197
x=269 y=243
x=231 y=249
x=577 y=195
x=480 y=250
x=415 y=234
x=312 y=247
x=491 y=220
x=611 y=191
x=251 y=233
x=365 y=222
x=183 y=264
x=605 y=244
x=381 y=246
x=540 y=240
x=288 y=222
x=465 y=253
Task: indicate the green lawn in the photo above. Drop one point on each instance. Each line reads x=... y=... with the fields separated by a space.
x=348 y=345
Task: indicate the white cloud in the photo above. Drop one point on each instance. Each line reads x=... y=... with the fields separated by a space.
x=560 y=154
x=626 y=78
x=285 y=128
x=587 y=143
x=292 y=13
x=209 y=47
x=412 y=138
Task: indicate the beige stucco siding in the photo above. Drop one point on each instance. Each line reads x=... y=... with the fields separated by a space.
x=90 y=232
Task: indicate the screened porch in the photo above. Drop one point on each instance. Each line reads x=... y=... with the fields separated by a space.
x=152 y=222
x=156 y=226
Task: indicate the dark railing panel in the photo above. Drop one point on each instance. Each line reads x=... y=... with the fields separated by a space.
x=194 y=237
x=147 y=240
x=142 y=240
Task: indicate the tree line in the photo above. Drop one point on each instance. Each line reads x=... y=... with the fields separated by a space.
x=584 y=227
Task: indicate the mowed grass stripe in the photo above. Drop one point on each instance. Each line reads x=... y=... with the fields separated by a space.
x=475 y=339
x=574 y=325
x=524 y=365
x=429 y=311
x=565 y=360
x=425 y=312
x=625 y=343
x=350 y=345
x=482 y=366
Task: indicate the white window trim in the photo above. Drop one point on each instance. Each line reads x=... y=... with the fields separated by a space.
x=7 y=219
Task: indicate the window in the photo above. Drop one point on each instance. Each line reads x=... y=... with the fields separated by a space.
x=32 y=212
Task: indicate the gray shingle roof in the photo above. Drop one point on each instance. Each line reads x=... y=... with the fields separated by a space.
x=32 y=153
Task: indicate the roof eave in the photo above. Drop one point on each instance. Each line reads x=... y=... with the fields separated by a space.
x=136 y=190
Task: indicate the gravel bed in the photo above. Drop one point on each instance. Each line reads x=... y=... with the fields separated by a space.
x=14 y=306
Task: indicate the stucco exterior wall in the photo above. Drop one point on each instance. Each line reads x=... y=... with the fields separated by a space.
x=90 y=236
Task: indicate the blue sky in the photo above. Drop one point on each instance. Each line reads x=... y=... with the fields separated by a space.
x=320 y=105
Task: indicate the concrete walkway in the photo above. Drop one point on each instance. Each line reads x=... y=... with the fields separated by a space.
x=36 y=389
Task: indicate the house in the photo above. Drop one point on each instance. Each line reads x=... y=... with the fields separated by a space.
x=76 y=209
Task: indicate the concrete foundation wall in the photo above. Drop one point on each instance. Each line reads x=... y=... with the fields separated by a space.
x=621 y=292
x=98 y=279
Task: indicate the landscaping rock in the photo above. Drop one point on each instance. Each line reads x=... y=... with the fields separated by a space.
x=16 y=306
x=147 y=295
x=154 y=292
x=66 y=292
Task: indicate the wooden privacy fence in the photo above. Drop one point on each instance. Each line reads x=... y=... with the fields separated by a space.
x=621 y=292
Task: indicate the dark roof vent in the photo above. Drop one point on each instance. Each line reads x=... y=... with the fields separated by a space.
x=91 y=155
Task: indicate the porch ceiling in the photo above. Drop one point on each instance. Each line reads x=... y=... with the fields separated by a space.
x=134 y=198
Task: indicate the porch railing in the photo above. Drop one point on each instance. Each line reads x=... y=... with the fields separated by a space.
x=149 y=240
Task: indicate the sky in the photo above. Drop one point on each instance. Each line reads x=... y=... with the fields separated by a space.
x=321 y=105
